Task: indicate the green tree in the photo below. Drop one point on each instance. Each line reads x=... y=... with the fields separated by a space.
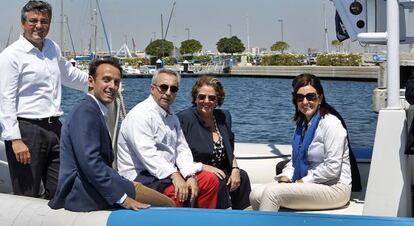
x=190 y=46
x=337 y=44
x=156 y=48
x=279 y=46
x=135 y=61
x=230 y=45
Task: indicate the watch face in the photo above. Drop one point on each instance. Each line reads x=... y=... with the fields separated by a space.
x=191 y=175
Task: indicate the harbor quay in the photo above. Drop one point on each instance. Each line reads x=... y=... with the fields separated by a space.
x=359 y=73
x=365 y=73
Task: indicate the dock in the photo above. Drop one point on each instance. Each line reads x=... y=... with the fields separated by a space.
x=365 y=73
x=361 y=73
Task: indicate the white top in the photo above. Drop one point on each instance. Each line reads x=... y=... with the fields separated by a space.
x=31 y=82
x=151 y=139
x=328 y=155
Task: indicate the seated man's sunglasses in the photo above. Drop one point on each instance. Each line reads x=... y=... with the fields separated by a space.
x=163 y=88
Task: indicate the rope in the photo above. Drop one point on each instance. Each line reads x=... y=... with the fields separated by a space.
x=120 y=102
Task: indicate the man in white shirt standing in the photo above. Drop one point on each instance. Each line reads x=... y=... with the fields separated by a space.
x=152 y=148
x=33 y=71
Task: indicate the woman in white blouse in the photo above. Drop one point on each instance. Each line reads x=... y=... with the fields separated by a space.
x=318 y=176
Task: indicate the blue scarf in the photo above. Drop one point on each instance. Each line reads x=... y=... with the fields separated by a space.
x=300 y=145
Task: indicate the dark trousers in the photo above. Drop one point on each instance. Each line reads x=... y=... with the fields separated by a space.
x=42 y=139
x=237 y=199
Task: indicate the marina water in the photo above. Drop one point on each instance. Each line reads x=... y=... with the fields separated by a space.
x=262 y=108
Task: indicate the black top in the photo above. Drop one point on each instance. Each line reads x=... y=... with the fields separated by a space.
x=409 y=90
x=409 y=96
x=219 y=155
x=200 y=139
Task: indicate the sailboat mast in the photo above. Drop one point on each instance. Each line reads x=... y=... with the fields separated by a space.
x=169 y=20
x=61 y=26
x=175 y=36
x=162 y=38
x=8 y=38
x=104 y=28
x=91 y=38
x=95 y=30
x=70 y=35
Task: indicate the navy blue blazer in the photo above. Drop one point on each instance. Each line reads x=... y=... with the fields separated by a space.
x=87 y=180
x=200 y=139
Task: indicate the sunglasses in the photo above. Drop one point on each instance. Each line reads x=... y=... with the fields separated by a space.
x=163 y=88
x=309 y=96
x=211 y=98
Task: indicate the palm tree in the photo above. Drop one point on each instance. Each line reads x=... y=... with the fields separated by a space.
x=337 y=44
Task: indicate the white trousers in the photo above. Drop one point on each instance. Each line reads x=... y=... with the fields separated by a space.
x=299 y=196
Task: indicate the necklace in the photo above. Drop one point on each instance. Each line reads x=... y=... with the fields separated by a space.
x=218 y=155
x=219 y=143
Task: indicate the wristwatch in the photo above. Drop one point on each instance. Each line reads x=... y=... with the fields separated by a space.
x=191 y=175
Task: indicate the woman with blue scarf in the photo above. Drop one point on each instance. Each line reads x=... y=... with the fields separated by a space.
x=318 y=176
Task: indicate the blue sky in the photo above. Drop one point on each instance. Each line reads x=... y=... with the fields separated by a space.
x=207 y=20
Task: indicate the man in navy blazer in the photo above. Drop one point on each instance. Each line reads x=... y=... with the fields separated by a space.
x=87 y=181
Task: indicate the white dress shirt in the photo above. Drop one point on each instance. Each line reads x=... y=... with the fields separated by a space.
x=328 y=155
x=151 y=139
x=102 y=107
x=31 y=82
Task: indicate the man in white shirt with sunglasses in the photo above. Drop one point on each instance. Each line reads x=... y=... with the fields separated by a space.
x=152 y=148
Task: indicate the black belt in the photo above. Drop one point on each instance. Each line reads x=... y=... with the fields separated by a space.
x=43 y=120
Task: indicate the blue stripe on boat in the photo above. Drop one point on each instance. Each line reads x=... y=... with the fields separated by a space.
x=362 y=153
x=201 y=217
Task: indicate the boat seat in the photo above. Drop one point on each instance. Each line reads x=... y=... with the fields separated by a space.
x=354 y=207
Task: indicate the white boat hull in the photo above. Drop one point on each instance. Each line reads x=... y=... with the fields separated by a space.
x=24 y=211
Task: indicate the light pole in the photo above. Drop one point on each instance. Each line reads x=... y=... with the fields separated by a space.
x=230 y=33
x=188 y=33
x=248 y=34
x=62 y=22
x=281 y=27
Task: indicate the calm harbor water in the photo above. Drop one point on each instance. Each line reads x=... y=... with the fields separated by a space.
x=261 y=107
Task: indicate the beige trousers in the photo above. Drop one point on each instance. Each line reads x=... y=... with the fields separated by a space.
x=147 y=195
x=299 y=196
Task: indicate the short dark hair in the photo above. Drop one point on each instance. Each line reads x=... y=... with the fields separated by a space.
x=304 y=80
x=39 y=6
x=93 y=66
x=209 y=81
